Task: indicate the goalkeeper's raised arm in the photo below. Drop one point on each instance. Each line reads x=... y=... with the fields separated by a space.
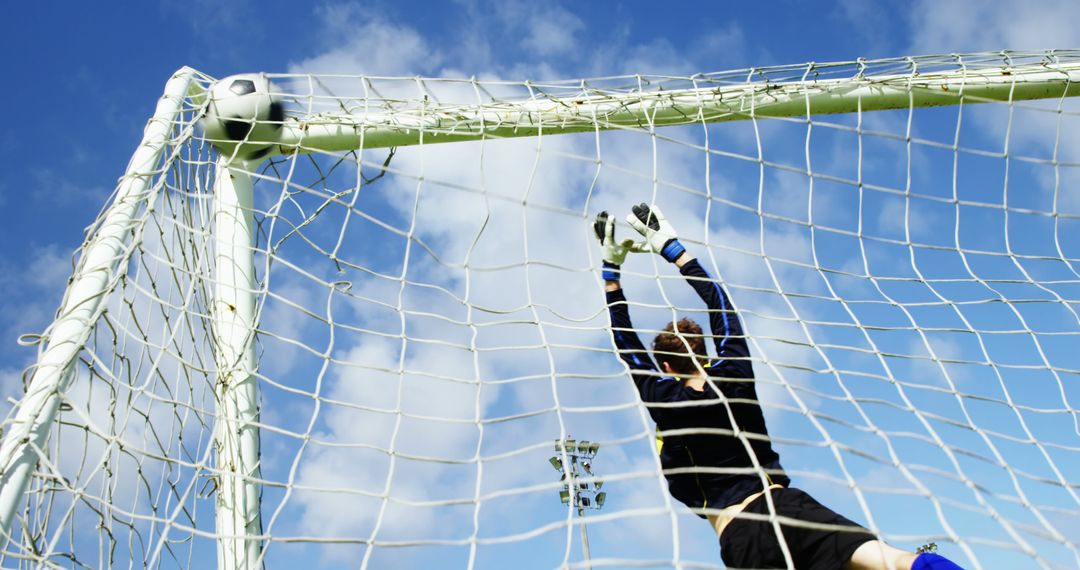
x=642 y=368
x=732 y=351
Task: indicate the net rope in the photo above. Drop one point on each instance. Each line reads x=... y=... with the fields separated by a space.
x=431 y=320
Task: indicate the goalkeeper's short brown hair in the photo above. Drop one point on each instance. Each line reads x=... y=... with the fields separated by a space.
x=671 y=346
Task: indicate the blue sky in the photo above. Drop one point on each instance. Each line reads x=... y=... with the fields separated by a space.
x=85 y=81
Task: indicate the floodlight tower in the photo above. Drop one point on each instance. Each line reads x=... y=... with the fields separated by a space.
x=581 y=488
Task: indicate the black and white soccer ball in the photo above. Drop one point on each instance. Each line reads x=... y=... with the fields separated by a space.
x=245 y=116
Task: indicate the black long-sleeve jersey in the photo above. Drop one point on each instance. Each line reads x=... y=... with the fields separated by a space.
x=706 y=465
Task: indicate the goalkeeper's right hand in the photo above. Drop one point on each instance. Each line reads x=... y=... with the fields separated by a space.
x=614 y=252
x=660 y=237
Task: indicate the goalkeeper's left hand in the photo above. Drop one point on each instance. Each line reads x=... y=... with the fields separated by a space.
x=660 y=236
x=614 y=252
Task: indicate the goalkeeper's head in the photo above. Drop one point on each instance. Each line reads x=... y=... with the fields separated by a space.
x=678 y=346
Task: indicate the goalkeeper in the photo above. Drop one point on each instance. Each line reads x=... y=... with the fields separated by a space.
x=715 y=449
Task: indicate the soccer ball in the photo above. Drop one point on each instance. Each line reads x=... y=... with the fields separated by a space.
x=244 y=118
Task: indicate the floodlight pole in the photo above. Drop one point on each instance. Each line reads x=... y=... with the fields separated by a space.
x=236 y=431
x=584 y=539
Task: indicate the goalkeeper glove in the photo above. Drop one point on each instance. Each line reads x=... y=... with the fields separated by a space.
x=614 y=252
x=660 y=237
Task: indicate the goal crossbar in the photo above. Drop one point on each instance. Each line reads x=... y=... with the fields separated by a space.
x=544 y=115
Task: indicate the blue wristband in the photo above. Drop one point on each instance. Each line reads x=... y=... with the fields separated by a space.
x=672 y=250
x=610 y=272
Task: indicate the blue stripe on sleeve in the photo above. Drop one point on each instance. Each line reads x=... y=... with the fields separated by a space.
x=727 y=327
x=633 y=355
x=723 y=308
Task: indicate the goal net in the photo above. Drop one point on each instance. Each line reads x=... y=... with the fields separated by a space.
x=360 y=347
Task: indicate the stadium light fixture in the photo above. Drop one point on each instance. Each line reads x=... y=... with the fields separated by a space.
x=576 y=491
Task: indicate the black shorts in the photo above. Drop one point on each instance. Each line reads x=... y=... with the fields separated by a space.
x=752 y=543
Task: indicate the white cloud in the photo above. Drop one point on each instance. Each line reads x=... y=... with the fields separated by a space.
x=11 y=386
x=46 y=273
x=391 y=400
x=871 y=23
x=958 y=26
x=361 y=41
x=136 y=402
x=56 y=188
x=549 y=30
x=49 y=267
x=282 y=318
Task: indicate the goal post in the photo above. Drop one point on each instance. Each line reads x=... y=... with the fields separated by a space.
x=24 y=436
x=239 y=520
x=264 y=357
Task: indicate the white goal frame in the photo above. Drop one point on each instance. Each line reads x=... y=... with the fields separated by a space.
x=238 y=514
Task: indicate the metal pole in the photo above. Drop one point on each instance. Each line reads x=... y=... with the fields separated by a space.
x=83 y=303
x=584 y=539
x=236 y=433
x=576 y=489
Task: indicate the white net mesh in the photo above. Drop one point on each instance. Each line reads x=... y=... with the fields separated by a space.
x=431 y=320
